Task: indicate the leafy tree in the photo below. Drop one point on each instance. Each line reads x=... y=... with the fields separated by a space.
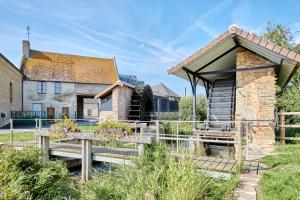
x=288 y=99
x=186 y=108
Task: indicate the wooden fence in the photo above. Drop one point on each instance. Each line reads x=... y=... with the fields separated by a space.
x=282 y=126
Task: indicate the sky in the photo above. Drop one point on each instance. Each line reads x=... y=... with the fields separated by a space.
x=145 y=37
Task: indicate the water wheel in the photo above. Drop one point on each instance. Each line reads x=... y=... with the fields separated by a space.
x=141 y=104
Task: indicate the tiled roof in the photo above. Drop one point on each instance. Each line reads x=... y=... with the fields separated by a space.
x=48 y=66
x=110 y=88
x=163 y=91
x=234 y=30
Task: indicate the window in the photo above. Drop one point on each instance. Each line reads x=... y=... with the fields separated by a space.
x=42 y=87
x=57 y=88
x=106 y=103
x=10 y=92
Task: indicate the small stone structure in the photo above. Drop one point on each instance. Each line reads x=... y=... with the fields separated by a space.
x=121 y=94
x=239 y=71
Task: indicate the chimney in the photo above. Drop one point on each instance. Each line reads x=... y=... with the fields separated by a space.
x=26 y=48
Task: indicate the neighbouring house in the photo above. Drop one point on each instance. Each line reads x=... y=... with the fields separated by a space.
x=165 y=101
x=56 y=85
x=11 y=89
x=239 y=71
x=115 y=101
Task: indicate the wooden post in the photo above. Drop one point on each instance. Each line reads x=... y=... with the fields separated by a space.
x=11 y=132
x=86 y=159
x=140 y=149
x=157 y=130
x=44 y=144
x=282 y=126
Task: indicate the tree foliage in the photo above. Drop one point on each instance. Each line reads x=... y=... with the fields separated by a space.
x=186 y=108
x=288 y=98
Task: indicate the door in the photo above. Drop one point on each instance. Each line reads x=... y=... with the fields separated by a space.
x=65 y=112
x=50 y=112
x=36 y=109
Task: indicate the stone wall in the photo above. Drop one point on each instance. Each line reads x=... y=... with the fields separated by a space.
x=8 y=74
x=67 y=98
x=121 y=97
x=255 y=95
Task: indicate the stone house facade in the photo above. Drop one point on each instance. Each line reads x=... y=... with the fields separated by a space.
x=115 y=101
x=56 y=85
x=11 y=89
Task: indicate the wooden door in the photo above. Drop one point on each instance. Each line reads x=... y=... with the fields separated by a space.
x=65 y=112
x=50 y=112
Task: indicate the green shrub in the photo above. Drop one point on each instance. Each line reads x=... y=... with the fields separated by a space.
x=60 y=129
x=25 y=175
x=155 y=175
x=186 y=108
x=110 y=130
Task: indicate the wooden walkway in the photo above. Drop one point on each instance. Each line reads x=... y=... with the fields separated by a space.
x=103 y=154
x=124 y=156
x=225 y=165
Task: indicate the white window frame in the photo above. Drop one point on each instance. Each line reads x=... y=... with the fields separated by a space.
x=57 y=88
x=42 y=87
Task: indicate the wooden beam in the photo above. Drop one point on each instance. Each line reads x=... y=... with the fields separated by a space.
x=236 y=70
x=217 y=58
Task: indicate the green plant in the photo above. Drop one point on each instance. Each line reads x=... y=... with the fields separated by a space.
x=110 y=130
x=186 y=108
x=156 y=175
x=25 y=175
x=60 y=129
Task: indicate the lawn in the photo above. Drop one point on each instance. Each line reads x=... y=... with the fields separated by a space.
x=18 y=137
x=282 y=180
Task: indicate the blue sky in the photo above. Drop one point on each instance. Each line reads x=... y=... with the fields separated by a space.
x=146 y=37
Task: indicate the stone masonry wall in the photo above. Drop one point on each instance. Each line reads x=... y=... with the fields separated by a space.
x=255 y=95
x=124 y=97
x=8 y=74
x=121 y=97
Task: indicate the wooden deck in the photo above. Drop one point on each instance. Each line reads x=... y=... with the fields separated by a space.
x=124 y=156
x=225 y=165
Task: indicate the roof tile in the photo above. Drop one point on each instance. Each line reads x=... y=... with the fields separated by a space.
x=256 y=40
x=284 y=51
x=250 y=36
x=270 y=45
x=277 y=48
x=291 y=55
x=49 y=66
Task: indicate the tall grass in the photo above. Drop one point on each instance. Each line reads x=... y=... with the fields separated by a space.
x=157 y=176
x=25 y=175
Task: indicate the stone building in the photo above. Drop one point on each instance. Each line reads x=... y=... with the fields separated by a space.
x=239 y=71
x=165 y=101
x=55 y=85
x=11 y=89
x=115 y=101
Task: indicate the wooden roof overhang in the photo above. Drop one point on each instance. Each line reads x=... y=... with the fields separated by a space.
x=217 y=60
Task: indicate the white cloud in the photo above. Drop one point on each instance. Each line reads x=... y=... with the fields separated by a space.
x=201 y=21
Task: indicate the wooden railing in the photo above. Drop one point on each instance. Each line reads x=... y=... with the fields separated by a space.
x=282 y=126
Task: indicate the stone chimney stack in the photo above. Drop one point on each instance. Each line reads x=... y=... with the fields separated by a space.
x=26 y=48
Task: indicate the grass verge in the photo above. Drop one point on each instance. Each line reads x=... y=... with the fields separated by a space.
x=282 y=180
x=18 y=137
